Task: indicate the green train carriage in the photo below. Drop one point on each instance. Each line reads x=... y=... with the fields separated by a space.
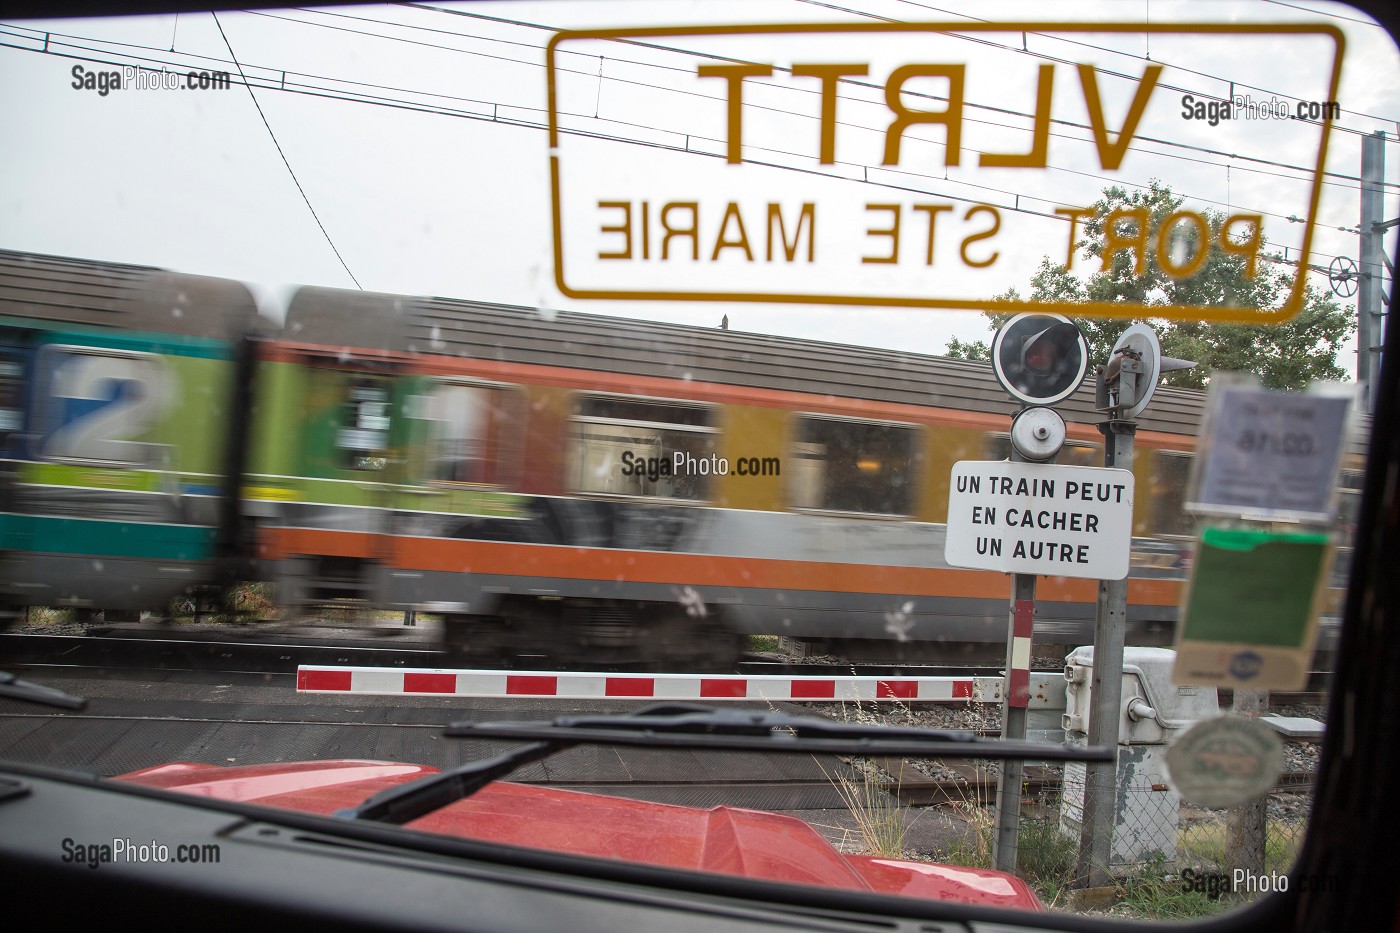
x=123 y=407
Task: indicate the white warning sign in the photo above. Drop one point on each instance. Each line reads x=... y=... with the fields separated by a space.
x=1064 y=521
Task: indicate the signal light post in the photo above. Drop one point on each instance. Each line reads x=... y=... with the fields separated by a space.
x=1039 y=359
x=1125 y=386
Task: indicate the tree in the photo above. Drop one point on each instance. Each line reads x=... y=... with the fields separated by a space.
x=1284 y=356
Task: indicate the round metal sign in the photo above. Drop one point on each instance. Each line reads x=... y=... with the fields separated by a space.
x=1141 y=340
x=1225 y=761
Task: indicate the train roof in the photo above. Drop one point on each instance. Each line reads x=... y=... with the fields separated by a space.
x=514 y=334
x=61 y=290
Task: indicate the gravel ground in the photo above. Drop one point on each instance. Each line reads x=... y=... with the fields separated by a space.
x=960 y=716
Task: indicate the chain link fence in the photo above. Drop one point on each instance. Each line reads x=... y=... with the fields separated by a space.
x=1155 y=829
x=1170 y=860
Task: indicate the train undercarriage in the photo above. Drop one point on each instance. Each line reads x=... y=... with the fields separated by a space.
x=546 y=631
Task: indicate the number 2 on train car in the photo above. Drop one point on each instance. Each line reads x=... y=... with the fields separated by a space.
x=98 y=406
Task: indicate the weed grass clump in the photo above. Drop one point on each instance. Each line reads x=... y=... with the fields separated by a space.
x=879 y=815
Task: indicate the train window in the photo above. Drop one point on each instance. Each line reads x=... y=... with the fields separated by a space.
x=1171 y=472
x=854 y=466
x=11 y=388
x=472 y=433
x=642 y=447
x=364 y=426
x=646 y=410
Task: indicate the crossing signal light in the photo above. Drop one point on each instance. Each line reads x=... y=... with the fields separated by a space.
x=1039 y=359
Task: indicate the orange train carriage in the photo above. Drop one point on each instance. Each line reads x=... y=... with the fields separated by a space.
x=548 y=483
x=560 y=483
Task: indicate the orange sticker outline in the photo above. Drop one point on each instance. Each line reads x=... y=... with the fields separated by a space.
x=1215 y=315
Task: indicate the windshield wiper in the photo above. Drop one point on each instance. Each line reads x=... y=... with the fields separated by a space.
x=676 y=725
x=12 y=688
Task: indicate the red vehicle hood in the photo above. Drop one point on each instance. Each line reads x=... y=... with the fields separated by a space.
x=727 y=840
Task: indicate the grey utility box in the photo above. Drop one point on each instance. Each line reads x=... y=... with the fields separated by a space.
x=1152 y=712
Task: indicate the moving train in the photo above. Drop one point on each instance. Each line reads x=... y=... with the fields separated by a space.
x=575 y=484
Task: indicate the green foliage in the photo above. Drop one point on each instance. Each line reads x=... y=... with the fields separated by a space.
x=1159 y=897
x=974 y=848
x=254 y=599
x=1284 y=356
x=974 y=350
x=47 y=615
x=246 y=602
x=1045 y=857
x=761 y=643
x=1207 y=843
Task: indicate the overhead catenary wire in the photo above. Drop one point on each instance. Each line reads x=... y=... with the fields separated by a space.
x=1301 y=169
x=285 y=161
x=326 y=92
x=834 y=7
x=1234 y=157
x=1098 y=48
x=355 y=96
x=1016 y=196
x=541 y=125
x=799 y=89
x=1349 y=19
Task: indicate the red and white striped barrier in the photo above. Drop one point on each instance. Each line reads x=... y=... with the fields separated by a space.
x=587 y=686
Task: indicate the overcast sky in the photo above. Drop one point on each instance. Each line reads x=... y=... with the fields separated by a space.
x=418 y=137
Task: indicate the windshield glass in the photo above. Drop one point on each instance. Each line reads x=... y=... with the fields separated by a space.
x=366 y=370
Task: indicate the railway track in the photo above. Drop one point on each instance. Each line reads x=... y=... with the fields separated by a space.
x=208 y=655
x=276 y=653
x=199 y=653
x=976 y=787
x=279 y=653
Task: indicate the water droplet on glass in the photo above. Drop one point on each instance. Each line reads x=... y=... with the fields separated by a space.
x=693 y=602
